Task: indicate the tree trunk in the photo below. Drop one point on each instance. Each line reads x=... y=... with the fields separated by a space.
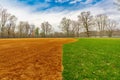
x=87 y=32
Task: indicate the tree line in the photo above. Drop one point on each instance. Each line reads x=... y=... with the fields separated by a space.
x=87 y=25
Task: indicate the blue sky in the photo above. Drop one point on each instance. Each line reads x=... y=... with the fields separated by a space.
x=64 y=4
x=38 y=11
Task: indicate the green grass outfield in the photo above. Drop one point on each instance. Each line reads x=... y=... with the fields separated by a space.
x=92 y=59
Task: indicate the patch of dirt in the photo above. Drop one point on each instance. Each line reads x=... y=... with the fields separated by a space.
x=31 y=59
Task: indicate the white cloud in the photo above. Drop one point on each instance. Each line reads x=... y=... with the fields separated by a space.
x=25 y=13
x=88 y=1
x=75 y=1
x=61 y=1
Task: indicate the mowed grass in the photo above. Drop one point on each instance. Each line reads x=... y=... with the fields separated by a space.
x=92 y=59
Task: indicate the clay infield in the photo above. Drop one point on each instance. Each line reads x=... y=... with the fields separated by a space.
x=31 y=59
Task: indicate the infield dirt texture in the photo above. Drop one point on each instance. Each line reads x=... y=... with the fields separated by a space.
x=31 y=59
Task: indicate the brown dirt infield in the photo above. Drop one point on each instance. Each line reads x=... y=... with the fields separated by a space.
x=31 y=59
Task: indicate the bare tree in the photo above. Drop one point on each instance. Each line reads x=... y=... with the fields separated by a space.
x=70 y=28
x=65 y=26
x=26 y=29
x=20 y=29
x=4 y=16
x=111 y=26
x=75 y=28
x=11 y=26
x=58 y=34
x=46 y=29
x=32 y=31
x=23 y=29
x=101 y=23
x=86 y=20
